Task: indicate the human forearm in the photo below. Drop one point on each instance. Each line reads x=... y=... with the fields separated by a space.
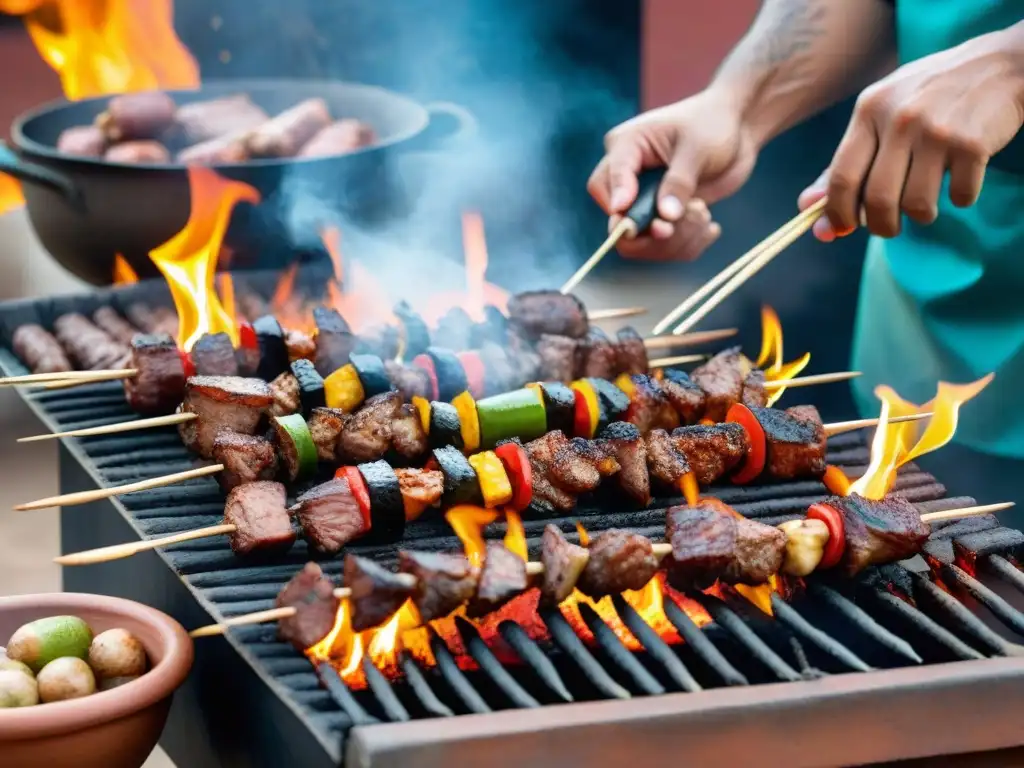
x=801 y=56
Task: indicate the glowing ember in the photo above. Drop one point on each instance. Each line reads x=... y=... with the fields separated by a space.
x=771 y=359
x=188 y=260
x=468 y=522
x=123 y=272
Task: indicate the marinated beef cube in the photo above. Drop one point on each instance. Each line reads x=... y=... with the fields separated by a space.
x=500 y=375
x=366 y=435
x=311 y=594
x=557 y=357
x=407 y=435
x=221 y=402
x=443 y=581
x=713 y=450
x=649 y=406
x=157 y=386
x=330 y=516
x=377 y=593
x=536 y=312
x=630 y=352
x=334 y=340
x=420 y=488
x=796 y=441
x=382 y=340
x=214 y=355
x=563 y=563
x=285 y=389
x=410 y=380
x=619 y=561
x=666 y=464
x=878 y=532
x=502 y=578
x=623 y=441
x=262 y=525
x=300 y=345
x=325 y=426
x=760 y=550
x=755 y=394
x=571 y=466
x=721 y=378
x=246 y=459
x=686 y=397
x=596 y=356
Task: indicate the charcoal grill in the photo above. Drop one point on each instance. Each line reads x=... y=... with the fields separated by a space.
x=844 y=674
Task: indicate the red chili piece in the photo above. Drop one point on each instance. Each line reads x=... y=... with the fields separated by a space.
x=833 y=520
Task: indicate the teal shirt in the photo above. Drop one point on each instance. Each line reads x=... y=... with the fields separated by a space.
x=946 y=301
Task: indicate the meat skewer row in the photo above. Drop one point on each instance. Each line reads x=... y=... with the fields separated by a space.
x=706 y=543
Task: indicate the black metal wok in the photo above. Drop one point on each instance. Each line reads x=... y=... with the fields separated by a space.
x=86 y=210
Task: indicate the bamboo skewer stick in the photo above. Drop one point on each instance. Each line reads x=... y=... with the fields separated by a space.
x=62 y=376
x=625 y=227
x=119 y=551
x=839 y=427
x=689 y=339
x=810 y=381
x=110 y=429
x=665 y=362
x=661 y=550
x=100 y=378
x=611 y=314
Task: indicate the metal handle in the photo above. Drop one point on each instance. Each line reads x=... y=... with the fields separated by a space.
x=34 y=173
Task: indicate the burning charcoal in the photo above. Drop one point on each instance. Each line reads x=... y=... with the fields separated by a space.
x=215 y=118
x=221 y=402
x=366 y=435
x=407 y=435
x=796 y=441
x=453 y=329
x=997 y=541
x=262 y=525
x=140 y=152
x=143 y=115
x=443 y=581
x=158 y=385
x=334 y=340
x=410 y=380
x=420 y=488
x=563 y=563
x=503 y=578
x=686 y=397
x=623 y=441
x=214 y=355
x=40 y=351
x=878 y=531
x=285 y=134
x=325 y=426
x=596 y=356
x=953 y=528
x=649 y=406
x=557 y=357
x=330 y=516
x=87 y=345
x=665 y=463
x=246 y=458
x=713 y=450
x=311 y=594
x=82 y=140
x=721 y=378
x=377 y=593
x=300 y=345
x=285 y=390
x=940 y=550
x=338 y=138
x=755 y=394
x=110 y=322
x=619 y=561
x=630 y=352
x=536 y=312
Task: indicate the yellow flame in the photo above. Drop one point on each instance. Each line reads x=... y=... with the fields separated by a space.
x=771 y=357
x=761 y=595
x=691 y=491
x=342 y=628
x=468 y=521
x=584 y=536
x=648 y=601
x=515 y=536
x=123 y=272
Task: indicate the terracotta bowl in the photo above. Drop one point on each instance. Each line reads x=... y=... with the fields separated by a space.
x=110 y=729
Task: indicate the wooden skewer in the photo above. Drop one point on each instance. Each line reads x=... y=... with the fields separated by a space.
x=689 y=339
x=766 y=250
x=624 y=227
x=810 y=381
x=665 y=362
x=119 y=551
x=42 y=378
x=110 y=429
x=839 y=427
x=611 y=314
x=532 y=569
x=98 y=378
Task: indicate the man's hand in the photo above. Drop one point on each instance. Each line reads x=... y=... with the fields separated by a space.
x=950 y=111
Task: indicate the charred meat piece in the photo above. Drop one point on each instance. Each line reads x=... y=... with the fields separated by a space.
x=557 y=357
x=407 y=435
x=878 y=532
x=649 y=406
x=214 y=355
x=40 y=351
x=325 y=426
x=570 y=465
x=712 y=451
x=563 y=563
x=377 y=593
x=300 y=345
x=285 y=134
x=366 y=435
x=330 y=516
x=158 y=385
x=261 y=520
x=755 y=395
x=502 y=578
x=536 y=312
x=410 y=380
x=443 y=581
x=216 y=118
x=142 y=115
x=221 y=402
x=334 y=340
x=630 y=352
x=420 y=488
x=686 y=397
x=140 y=152
x=596 y=356
x=338 y=138
x=311 y=594
x=287 y=398
x=796 y=441
x=87 y=345
x=110 y=322
x=666 y=464
x=623 y=441
x=619 y=561
x=82 y=140
x=246 y=459
x=721 y=378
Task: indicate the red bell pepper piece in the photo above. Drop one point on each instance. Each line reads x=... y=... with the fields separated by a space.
x=424 y=362
x=753 y=464
x=186 y=363
x=520 y=474
x=833 y=520
x=360 y=492
x=474 y=369
x=247 y=336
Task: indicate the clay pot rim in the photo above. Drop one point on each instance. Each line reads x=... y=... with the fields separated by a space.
x=104 y=706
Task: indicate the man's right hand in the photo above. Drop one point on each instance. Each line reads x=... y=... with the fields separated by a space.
x=708 y=154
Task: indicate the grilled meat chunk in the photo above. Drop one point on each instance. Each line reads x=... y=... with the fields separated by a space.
x=40 y=351
x=563 y=563
x=619 y=561
x=630 y=352
x=649 y=406
x=557 y=357
x=420 y=488
x=755 y=395
x=300 y=345
x=502 y=578
x=214 y=355
x=334 y=340
x=796 y=441
x=686 y=397
x=377 y=593
x=713 y=450
x=410 y=380
x=157 y=387
x=596 y=356
x=330 y=516
x=366 y=435
x=666 y=464
x=246 y=459
x=535 y=312
x=325 y=426
x=87 y=345
x=311 y=594
x=878 y=532
x=287 y=398
x=262 y=525
x=443 y=581
x=574 y=465
x=221 y=402
x=407 y=435
x=110 y=322
x=710 y=542
x=623 y=441
x=721 y=378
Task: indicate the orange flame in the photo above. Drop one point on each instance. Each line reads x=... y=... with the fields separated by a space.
x=188 y=260
x=468 y=522
x=515 y=535
x=691 y=490
x=584 y=536
x=760 y=596
x=770 y=359
x=896 y=444
x=10 y=194
x=123 y=272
